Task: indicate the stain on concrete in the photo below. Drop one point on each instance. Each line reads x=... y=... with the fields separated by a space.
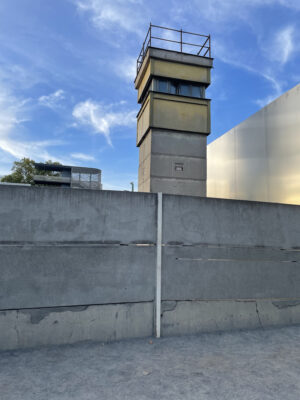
x=38 y=314
x=258 y=316
x=285 y=303
x=168 y=306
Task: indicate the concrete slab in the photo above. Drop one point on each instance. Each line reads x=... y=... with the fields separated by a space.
x=193 y=317
x=65 y=325
x=208 y=272
x=68 y=275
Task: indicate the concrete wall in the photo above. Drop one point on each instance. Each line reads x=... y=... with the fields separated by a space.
x=229 y=264
x=70 y=257
x=259 y=159
x=80 y=265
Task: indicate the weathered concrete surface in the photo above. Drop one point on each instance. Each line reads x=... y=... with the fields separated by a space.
x=255 y=365
x=211 y=272
x=64 y=248
x=192 y=220
x=55 y=214
x=82 y=274
x=192 y=317
x=46 y=326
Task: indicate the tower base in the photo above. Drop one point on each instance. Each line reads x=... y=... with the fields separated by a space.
x=173 y=162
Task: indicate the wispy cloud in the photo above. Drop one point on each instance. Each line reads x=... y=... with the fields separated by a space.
x=127 y=15
x=102 y=118
x=82 y=157
x=277 y=90
x=16 y=76
x=275 y=47
x=126 y=69
x=31 y=149
x=52 y=100
x=13 y=113
x=282 y=46
x=222 y=10
x=268 y=70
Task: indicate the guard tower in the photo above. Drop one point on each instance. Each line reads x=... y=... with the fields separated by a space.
x=173 y=72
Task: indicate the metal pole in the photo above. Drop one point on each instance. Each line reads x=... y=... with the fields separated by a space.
x=158 y=266
x=181 y=40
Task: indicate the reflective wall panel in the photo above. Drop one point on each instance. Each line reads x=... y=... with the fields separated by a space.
x=260 y=158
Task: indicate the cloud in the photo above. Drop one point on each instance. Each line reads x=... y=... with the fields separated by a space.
x=277 y=88
x=16 y=75
x=83 y=157
x=30 y=149
x=14 y=111
x=12 y=115
x=102 y=118
x=282 y=46
x=230 y=10
x=128 y=15
x=126 y=69
x=53 y=100
x=268 y=71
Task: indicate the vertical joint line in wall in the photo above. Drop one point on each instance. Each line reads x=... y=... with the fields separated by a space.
x=158 y=266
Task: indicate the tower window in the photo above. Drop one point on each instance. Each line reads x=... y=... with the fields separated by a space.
x=185 y=90
x=163 y=85
x=179 y=88
x=173 y=87
x=196 y=91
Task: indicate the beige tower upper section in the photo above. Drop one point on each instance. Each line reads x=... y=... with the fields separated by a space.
x=174 y=118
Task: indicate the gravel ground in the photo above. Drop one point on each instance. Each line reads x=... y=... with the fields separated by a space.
x=262 y=365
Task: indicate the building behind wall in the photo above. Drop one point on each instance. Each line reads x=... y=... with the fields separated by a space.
x=259 y=159
x=174 y=119
x=68 y=176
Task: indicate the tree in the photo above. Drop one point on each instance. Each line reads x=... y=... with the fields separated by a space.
x=24 y=170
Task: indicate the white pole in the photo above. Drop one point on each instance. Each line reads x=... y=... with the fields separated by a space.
x=158 y=266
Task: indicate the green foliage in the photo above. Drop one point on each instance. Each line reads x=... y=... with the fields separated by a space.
x=24 y=170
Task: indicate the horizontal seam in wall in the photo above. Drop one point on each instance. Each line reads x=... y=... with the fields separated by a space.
x=72 y=244
x=77 y=305
x=202 y=102
x=177 y=178
x=236 y=260
x=237 y=300
x=48 y=243
x=177 y=156
x=226 y=246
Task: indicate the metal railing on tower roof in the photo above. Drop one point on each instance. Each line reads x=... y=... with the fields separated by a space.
x=157 y=34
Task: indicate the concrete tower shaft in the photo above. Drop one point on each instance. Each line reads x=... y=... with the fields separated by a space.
x=174 y=119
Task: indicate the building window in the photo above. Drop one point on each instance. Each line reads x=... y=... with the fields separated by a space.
x=179 y=88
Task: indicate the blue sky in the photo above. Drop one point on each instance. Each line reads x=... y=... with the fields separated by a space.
x=67 y=69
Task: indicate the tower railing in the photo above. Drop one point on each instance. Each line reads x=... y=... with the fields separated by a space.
x=169 y=36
